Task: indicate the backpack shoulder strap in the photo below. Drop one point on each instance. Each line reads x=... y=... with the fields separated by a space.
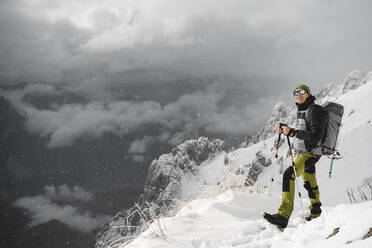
x=311 y=107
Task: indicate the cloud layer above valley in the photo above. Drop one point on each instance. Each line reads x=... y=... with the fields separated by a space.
x=55 y=204
x=191 y=115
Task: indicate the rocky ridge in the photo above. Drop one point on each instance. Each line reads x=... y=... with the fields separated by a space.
x=162 y=189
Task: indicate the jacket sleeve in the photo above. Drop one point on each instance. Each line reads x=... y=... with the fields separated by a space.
x=314 y=133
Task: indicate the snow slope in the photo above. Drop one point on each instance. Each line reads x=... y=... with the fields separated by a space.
x=229 y=215
x=233 y=219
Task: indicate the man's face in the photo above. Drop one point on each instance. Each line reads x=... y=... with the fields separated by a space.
x=300 y=98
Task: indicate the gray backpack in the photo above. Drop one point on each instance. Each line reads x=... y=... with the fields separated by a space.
x=333 y=112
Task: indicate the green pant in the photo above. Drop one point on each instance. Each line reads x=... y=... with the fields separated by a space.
x=305 y=167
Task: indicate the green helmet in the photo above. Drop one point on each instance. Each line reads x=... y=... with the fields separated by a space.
x=305 y=87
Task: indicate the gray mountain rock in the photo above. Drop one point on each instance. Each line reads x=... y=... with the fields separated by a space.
x=355 y=79
x=256 y=167
x=162 y=189
x=280 y=114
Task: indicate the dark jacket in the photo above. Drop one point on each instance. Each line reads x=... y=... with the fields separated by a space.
x=315 y=124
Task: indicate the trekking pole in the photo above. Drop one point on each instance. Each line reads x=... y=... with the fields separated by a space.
x=276 y=155
x=333 y=155
x=294 y=169
x=277 y=145
x=330 y=168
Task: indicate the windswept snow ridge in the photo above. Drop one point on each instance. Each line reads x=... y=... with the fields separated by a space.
x=233 y=219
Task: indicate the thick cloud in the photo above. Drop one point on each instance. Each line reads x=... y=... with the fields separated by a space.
x=138 y=146
x=66 y=193
x=272 y=41
x=196 y=113
x=44 y=208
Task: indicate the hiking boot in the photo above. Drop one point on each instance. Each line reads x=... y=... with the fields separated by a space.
x=277 y=219
x=310 y=217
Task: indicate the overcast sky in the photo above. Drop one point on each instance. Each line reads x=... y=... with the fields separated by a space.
x=270 y=45
x=280 y=41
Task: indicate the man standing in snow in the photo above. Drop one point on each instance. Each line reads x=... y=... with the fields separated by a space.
x=307 y=135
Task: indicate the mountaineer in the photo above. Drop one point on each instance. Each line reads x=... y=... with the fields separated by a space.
x=307 y=138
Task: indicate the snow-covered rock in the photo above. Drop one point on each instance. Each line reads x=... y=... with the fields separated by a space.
x=354 y=80
x=256 y=167
x=162 y=189
x=165 y=174
x=280 y=114
x=330 y=91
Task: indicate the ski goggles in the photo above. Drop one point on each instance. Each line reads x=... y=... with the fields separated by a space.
x=299 y=92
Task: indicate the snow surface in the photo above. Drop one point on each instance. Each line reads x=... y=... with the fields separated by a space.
x=233 y=219
x=229 y=215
